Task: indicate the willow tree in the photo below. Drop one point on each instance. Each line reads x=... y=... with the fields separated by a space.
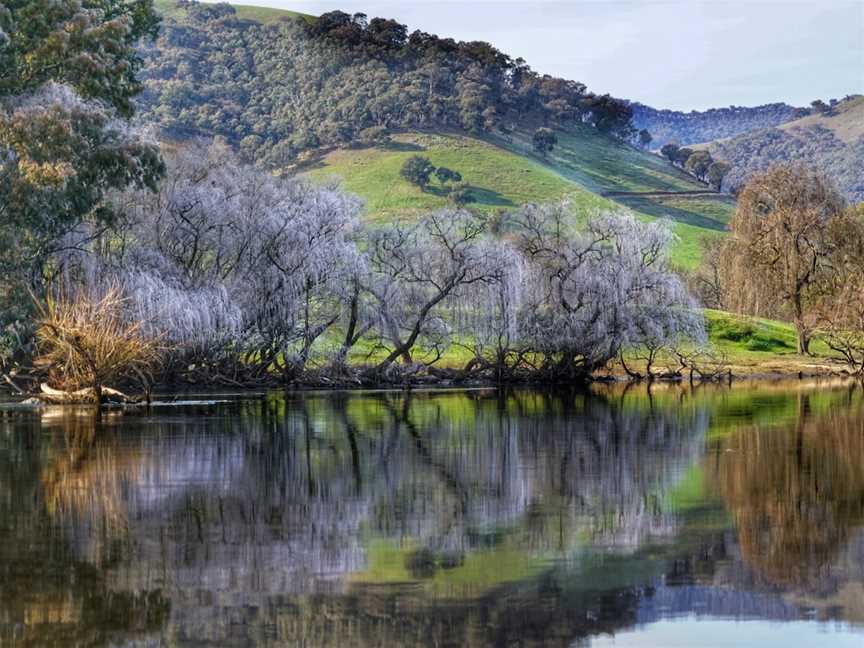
x=786 y=235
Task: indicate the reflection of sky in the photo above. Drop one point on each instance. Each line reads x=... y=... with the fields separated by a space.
x=681 y=54
x=683 y=633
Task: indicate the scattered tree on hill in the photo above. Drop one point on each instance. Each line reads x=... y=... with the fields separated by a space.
x=788 y=231
x=644 y=138
x=670 y=152
x=544 y=140
x=418 y=170
x=682 y=155
x=716 y=172
x=446 y=175
x=698 y=164
x=374 y=135
x=819 y=107
x=461 y=194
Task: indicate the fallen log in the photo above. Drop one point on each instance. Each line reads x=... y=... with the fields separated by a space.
x=81 y=396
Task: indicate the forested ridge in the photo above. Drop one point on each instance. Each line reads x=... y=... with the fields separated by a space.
x=694 y=127
x=282 y=88
x=831 y=141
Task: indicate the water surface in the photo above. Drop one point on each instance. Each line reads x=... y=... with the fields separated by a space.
x=669 y=517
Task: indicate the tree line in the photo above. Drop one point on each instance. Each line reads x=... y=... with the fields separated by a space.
x=697 y=163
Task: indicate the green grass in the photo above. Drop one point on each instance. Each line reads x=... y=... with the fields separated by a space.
x=499 y=179
x=263 y=15
x=505 y=178
x=601 y=164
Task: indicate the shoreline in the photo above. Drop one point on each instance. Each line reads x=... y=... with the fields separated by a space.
x=430 y=383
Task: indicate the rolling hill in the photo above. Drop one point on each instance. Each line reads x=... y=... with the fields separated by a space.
x=688 y=128
x=832 y=142
x=296 y=96
x=593 y=172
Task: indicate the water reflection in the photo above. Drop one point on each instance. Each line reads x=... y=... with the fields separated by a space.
x=449 y=518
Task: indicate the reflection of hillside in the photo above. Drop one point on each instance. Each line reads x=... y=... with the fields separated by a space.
x=796 y=494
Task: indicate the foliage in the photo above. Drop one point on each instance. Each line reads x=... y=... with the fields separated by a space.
x=298 y=85
x=68 y=73
x=88 y=45
x=787 y=232
x=446 y=175
x=417 y=170
x=544 y=140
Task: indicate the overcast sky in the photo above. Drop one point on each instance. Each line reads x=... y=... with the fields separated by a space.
x=681 y=54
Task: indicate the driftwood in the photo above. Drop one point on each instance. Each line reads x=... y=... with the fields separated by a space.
x=59 y=397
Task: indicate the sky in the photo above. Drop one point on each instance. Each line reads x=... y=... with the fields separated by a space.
x=678 y=54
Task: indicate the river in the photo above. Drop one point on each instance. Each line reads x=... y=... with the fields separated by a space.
x=668 y=516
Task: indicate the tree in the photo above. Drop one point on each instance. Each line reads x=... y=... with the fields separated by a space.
x=645 y=138
x=461 y=194
x=417 y=170
x=716 y=172
x=416 y=269
x=785 y=236
x=544 y=140
x=682 y=155
x=68 y=74
x=590 y=294
x=446 y=175
x=698 y=163
x=670 y=152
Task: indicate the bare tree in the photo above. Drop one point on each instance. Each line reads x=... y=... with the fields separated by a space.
x=784 y=237
x=416 y=268
x=594 y=292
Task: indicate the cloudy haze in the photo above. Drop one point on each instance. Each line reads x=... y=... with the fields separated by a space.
x=682 y=54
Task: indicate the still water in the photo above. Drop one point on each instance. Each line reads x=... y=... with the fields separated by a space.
x=670 y=517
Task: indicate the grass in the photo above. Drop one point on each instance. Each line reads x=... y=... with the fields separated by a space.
x=505 y=178
x=262 y=15
x=499 y=179
x=602 y=164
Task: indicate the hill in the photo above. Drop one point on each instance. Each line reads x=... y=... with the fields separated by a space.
x=353 y=97
x=174 y=10
x=831 y=141
x=591 y=171
x=687 y=128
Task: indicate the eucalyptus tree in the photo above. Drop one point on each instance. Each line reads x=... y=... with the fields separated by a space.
x=68 y=75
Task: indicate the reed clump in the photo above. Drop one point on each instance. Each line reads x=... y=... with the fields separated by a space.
x=88 y=342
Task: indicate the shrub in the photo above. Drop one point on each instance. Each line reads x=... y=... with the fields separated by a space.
x=89 y=343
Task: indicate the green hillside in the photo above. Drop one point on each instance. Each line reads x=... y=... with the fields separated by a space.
x=498 y=179
x=504 y=174
x=263 y=15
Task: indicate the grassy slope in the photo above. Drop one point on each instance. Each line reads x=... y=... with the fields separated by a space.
x=498 y=179
x=506 y=173
x=244 y=12
x=846 y=122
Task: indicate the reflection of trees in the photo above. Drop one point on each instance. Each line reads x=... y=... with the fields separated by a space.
x=255 y=501
x=795 y=494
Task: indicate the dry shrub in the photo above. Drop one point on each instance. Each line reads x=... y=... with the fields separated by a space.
x=88 y=342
